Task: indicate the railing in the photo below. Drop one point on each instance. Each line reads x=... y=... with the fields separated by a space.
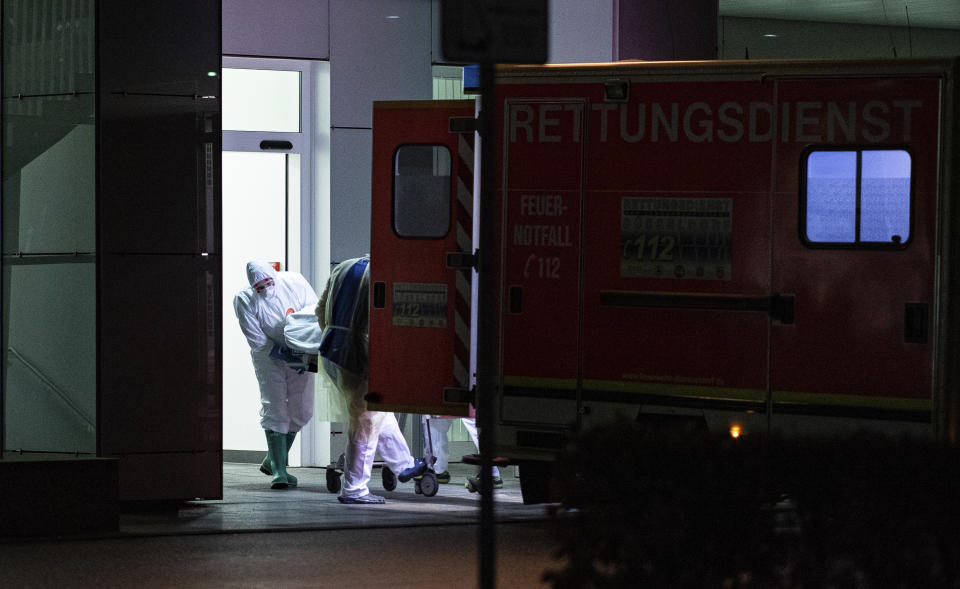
x=60 y=394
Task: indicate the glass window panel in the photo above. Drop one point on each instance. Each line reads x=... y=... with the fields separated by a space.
x=421 y=191
x=48 y=175
x=261 y=100
x=48 y=196
x=48 y=46
x=50 y=372
x=831 y=203
x=885 y=196
x=54 y=200
x=447 y=82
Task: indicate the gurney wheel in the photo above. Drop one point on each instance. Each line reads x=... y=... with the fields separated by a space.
x=416 y=487
x=333 y=481
x=389 y=479
x=428 y=484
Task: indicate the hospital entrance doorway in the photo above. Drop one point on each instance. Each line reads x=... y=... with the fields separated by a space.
x=266 y=214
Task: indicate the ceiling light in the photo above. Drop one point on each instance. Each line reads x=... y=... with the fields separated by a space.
x=393 y=16
x=770 y=35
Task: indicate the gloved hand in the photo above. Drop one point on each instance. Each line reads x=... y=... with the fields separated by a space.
x=285 y=354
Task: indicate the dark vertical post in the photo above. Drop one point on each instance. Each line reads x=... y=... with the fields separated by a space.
x=475 y=32
x=947 y=400
x=3 y=353
x=487 y=373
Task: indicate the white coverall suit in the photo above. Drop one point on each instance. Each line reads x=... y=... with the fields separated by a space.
x=438 y=444
x=343 y=313
x=286 y=395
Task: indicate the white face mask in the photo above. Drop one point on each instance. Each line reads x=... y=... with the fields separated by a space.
x=265 y=287
x=262 y=278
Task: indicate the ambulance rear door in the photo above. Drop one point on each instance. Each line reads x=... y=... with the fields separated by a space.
x=855 y=248
x=421 y=247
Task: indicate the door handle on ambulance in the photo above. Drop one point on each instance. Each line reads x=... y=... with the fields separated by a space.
x=781 y=308
x=462 y=260
x=379 y=295
x=915 y=323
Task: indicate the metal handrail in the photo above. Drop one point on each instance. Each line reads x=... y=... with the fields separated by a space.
x=53 y=387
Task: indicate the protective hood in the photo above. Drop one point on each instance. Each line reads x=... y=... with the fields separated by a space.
x=262 y=277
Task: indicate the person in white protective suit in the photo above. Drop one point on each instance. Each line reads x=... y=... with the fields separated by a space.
x=473 y=483
x=286 y=388
x=343 y=314
x=438 y=443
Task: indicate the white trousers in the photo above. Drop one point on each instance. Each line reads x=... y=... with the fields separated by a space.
x=438 y=440
x=376 y=430
x=471 y=424
x=286 y=398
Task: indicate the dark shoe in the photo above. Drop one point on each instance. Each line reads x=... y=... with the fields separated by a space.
x=419 y=467
x=472 y=484
x=443 y=477
x=367 y=499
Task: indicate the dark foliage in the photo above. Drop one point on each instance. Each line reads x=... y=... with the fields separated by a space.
x=680 y=508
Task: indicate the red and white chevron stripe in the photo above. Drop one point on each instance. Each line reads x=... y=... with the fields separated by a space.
x=464 y=222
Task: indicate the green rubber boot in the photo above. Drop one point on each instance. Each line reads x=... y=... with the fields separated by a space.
x=277 y=452
x=267 y=468
x=291 y=480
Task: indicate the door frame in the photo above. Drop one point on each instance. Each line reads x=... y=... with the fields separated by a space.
x=311 y=143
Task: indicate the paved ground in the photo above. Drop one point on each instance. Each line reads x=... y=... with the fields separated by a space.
x=425 y=557
x=258 y=537
x=249 y=504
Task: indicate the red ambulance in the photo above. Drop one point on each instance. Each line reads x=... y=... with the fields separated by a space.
x=758 y=246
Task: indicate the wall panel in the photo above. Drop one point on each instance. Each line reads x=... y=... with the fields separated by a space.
x=350 y=193
x=253 y=28
x=375 y=57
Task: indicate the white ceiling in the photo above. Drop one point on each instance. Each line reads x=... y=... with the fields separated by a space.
x=941 y=14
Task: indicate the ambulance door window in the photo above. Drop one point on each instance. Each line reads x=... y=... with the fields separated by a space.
x=421 y=191
x=856 y=197
x=831 y=197
x=885 y=196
